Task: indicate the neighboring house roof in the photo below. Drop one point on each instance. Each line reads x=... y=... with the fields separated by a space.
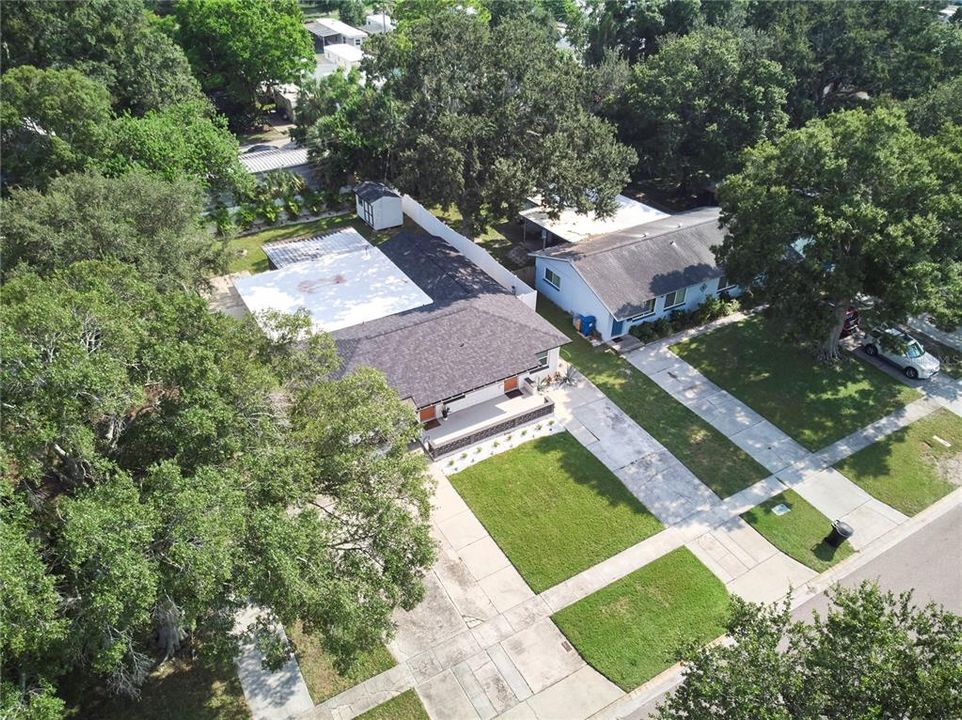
x=342 y=51
x=627 y=268
x=328 y=27
x=572 y=226
x=473 y=333
x=340 y=279
x=378 y=23
x=278 y=159
x=369 y=191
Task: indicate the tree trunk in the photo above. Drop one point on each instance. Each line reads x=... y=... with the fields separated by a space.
x=829 y=352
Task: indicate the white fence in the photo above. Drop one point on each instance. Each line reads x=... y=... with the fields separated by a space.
x=471 y=250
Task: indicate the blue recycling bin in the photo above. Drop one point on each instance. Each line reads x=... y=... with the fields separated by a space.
x=587 y=325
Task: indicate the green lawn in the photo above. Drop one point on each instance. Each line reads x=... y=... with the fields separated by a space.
x=799 y=533
x=816 y=403
x=631 y=630
x=179 y=689
x=712 y=457
x=246 y=253
x=910 y=469
x=406 y=706
x=323 y=681
x=553 y=508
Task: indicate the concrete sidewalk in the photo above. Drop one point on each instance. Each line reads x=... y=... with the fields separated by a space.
x=270 y=695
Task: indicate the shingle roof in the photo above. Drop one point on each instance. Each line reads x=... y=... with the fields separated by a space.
x=369 y=191
x=628 y=267
x=474 y=332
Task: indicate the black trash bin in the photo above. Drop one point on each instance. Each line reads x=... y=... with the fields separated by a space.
x=840 y=533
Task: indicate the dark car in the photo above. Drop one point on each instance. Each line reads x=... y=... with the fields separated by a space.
x=259 y=148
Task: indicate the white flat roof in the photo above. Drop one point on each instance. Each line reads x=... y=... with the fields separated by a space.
x=572 y=226
x=352 y=284
x=341 y=28
x=348 y=53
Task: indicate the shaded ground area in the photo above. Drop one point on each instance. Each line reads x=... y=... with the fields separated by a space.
x=406 y=706
x=816 y=403
x=799 y=533
x=950 y=358
x=317 y=667
x=714 y=459
x=913 y=467
x=553 y=508
x=182 y=689
x=246 y=253
x=630 y=630
x=497 y=239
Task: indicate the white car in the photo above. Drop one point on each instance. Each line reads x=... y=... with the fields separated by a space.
x=902 y=350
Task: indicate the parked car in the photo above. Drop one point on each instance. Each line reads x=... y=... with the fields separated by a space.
x=902 y=350
x=852 y=319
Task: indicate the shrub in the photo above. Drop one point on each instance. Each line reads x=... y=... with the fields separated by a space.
x=291 y=207
x=661 y=327
x=247 y=216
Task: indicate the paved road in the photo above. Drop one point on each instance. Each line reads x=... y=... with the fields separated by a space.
x=928 y=561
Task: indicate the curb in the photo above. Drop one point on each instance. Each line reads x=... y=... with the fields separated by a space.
x=672 y=677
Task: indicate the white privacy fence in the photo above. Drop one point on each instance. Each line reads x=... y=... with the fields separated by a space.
x=471 y=250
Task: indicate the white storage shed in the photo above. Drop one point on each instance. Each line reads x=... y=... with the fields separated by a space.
x=378 y=205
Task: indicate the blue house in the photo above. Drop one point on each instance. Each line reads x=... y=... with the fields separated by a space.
x=638 y=274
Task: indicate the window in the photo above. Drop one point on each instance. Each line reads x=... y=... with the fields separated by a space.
x=542 y=360
x=724 y=283
x=676 y=298
x=552 y=278
x=647 y=309
x=367 y=213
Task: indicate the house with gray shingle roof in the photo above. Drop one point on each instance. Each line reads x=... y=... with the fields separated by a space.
x=638 y=274
x=465 y=352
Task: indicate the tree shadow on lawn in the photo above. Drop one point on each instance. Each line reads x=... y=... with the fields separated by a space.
x=815 y=403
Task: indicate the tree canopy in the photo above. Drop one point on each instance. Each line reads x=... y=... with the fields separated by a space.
x=874 y=656
x=691 y=109
x=52 y=122
x=850 y=205
x=60 y=121
x=236 y=48
x=113 y=41
x=140 y=219
x=165 y=466
x=476 y=118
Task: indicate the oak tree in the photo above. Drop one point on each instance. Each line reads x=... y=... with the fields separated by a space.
x=852 y=206
x=873 y=656
x=165 y=466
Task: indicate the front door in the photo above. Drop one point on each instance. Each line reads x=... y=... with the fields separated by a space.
x=617 y=328
x=428 y=413
x=511 y=384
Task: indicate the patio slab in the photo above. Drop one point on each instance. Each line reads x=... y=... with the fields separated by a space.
x=435 y=619
x=542 y=655
x=578 y=696
x=483 y=557
x=505 y=588
x=771 y=580
x=619 y=436
x=445 y=699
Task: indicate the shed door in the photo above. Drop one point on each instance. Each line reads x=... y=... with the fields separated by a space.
x=428 y=414
x=511 y=384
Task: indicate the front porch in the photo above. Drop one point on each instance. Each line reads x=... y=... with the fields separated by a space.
x=484 y=420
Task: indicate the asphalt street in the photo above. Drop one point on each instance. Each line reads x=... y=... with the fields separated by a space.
x=929 y=562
